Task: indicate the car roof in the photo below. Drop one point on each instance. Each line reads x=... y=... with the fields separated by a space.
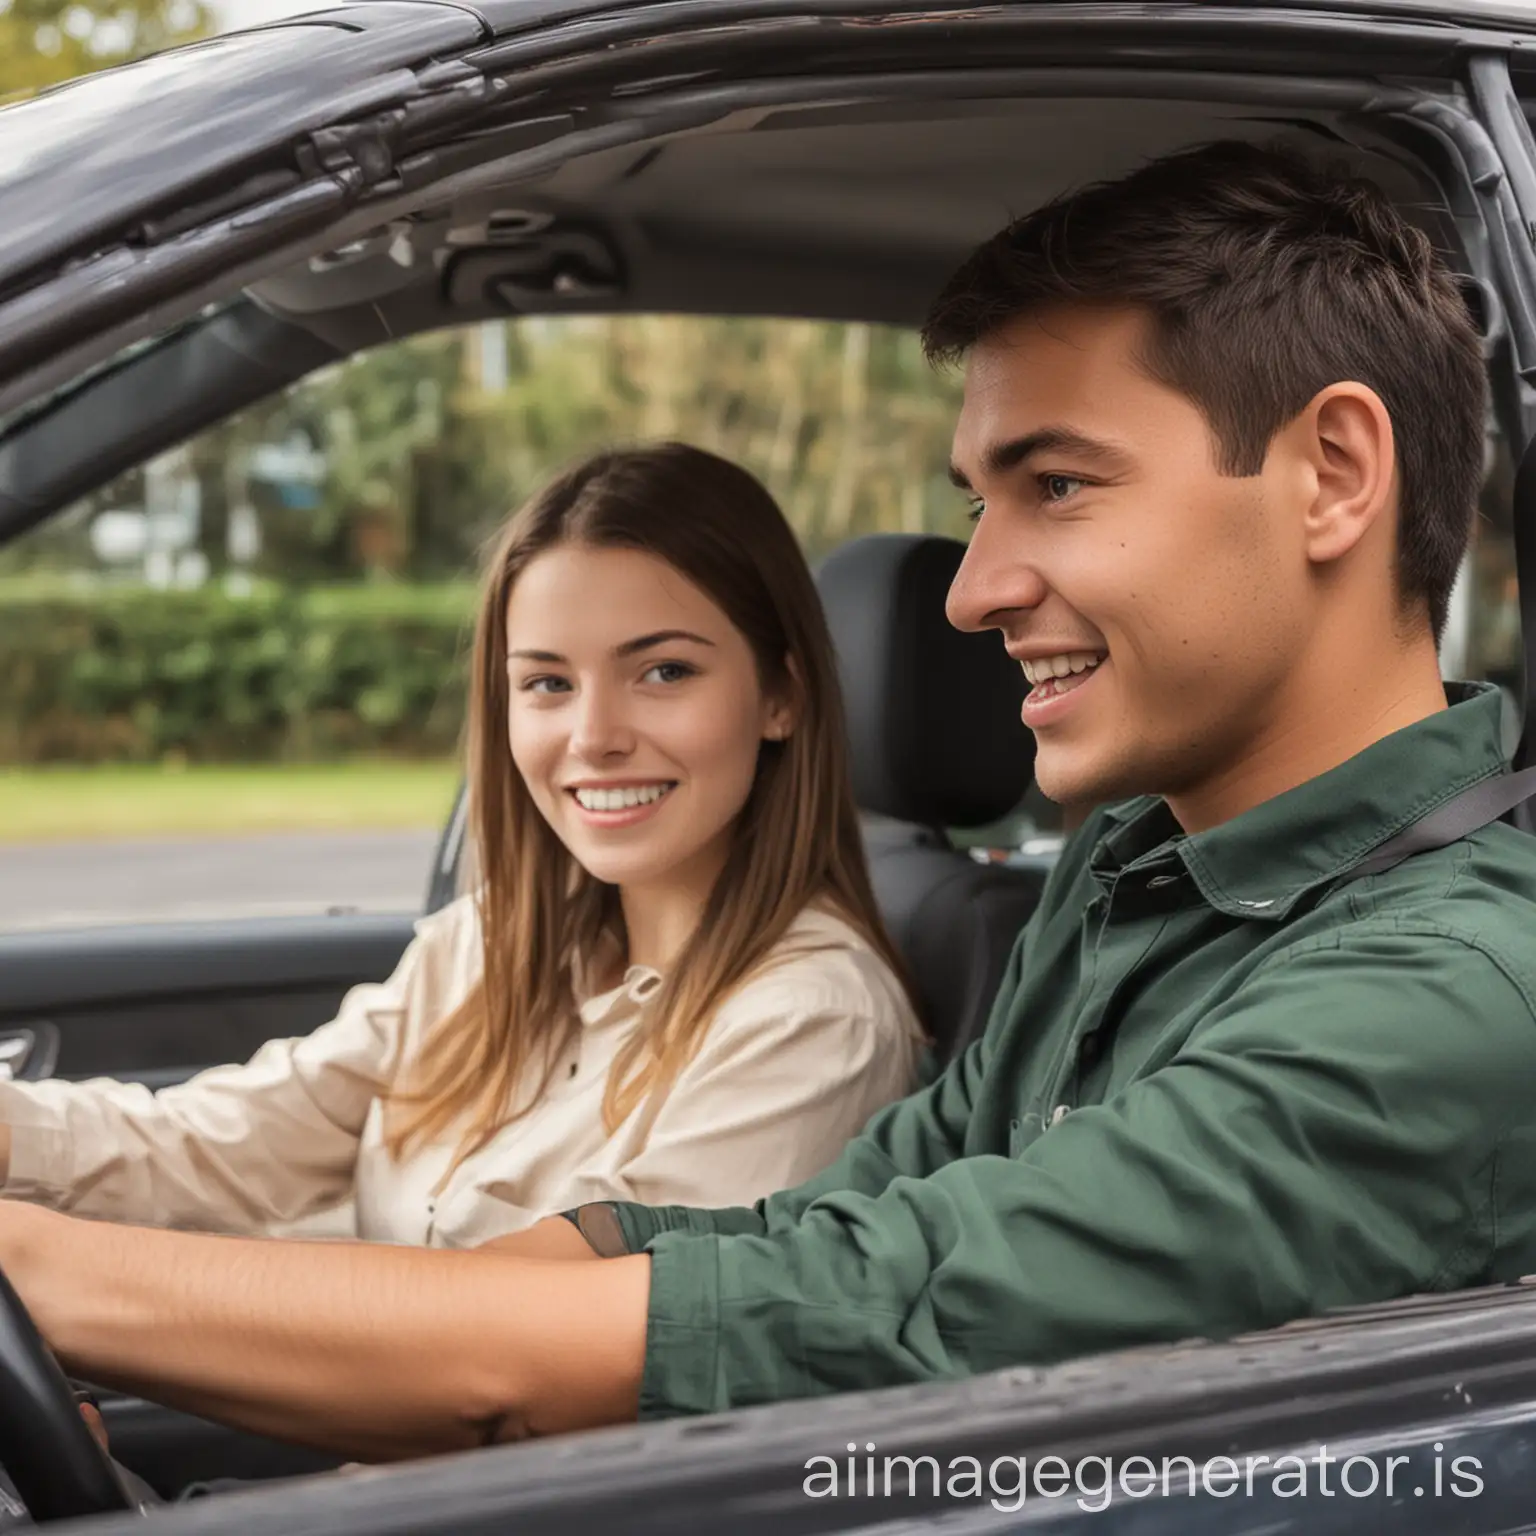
x=507 y=17
x=207 y=112
x=115 y=143
x=132 y=198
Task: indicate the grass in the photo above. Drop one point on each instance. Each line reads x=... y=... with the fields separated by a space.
x=49 y=804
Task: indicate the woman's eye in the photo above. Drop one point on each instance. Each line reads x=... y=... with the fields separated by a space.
x=978 y=506
x=544 y=685
x=668 y=672
x=1059 y=487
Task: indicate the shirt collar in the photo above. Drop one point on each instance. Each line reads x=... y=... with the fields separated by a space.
x=1260 y=864
x=815 y=927
x=638 y=984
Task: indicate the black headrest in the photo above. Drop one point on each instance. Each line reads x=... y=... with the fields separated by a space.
x=933 y=714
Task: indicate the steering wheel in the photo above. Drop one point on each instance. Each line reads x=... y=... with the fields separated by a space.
x=52 y=1458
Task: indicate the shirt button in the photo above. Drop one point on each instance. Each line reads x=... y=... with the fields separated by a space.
x=1060 y=1113
x=1157 y=882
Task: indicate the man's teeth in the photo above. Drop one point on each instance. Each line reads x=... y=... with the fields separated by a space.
x=1064 y=665
x=620 y=799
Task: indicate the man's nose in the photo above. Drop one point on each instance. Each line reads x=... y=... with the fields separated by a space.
x=602 y=729
x=994 y=581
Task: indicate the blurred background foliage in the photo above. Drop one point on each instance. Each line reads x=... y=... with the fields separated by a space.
x=317 y=595
x=419 y=458
x=44 y=42
x=276 y=674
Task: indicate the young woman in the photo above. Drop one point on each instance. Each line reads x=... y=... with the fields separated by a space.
x=671 y=984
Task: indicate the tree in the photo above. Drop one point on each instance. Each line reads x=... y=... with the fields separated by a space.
x=423 y=450
x=44 y=42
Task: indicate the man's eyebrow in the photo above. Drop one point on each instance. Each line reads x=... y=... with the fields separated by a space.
x=629 y=647
x=999 y=458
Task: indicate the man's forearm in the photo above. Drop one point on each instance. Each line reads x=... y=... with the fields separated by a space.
x=370 y=1351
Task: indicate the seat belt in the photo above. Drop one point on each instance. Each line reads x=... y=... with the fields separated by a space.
x=1486 y=802
x=1480 y=806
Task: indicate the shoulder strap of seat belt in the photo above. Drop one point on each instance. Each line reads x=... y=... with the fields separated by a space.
x=1474 y=808
x=1488 y=801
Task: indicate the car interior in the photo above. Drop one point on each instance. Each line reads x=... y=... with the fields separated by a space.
x=721 y=217
x=936 y=746
x=849 y=200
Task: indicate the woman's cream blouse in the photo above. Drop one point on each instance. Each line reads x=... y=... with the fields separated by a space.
x=792 y=1065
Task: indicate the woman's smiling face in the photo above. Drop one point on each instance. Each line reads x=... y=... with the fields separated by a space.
x=636 y=714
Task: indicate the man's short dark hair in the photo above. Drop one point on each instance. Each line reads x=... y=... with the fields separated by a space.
x=1267 y=278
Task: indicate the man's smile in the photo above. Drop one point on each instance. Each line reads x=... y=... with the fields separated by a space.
x=1061 y=667
x=1055 y=677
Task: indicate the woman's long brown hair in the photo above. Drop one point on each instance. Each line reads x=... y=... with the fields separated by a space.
x=541 y=914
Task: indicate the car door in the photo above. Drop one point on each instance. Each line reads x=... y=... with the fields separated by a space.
x=147 y=957
x=154 y=1003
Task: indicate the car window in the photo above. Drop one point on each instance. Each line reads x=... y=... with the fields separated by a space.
x=1482 y=637
x=234 y=679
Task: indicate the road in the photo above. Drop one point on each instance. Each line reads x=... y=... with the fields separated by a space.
x=58 y=885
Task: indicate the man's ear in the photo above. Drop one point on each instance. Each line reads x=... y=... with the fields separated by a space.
x=1346 y=436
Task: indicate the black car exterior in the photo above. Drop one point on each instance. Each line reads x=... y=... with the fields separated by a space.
x=191 y=233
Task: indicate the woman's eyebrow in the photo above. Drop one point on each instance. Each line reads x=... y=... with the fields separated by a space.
x=629 y=647
x=661 y=637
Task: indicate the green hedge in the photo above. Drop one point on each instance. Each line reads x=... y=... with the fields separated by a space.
x=133 y=675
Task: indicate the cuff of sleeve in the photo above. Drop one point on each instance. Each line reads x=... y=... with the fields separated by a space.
x=41 y=1158
x=598 y=1224
x=682 y=1332
x=641 y=1223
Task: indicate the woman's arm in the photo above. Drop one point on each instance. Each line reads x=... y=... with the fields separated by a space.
x=375 y=1353
x=236 y=1148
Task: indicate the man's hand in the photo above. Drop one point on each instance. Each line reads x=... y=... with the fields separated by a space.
x=93 y=1421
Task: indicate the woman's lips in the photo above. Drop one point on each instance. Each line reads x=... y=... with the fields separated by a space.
x=624 y=816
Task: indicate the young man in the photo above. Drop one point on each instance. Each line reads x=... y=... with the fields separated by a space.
x=1223 y=425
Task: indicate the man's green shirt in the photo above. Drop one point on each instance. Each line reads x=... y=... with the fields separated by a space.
x=1217 y=1092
